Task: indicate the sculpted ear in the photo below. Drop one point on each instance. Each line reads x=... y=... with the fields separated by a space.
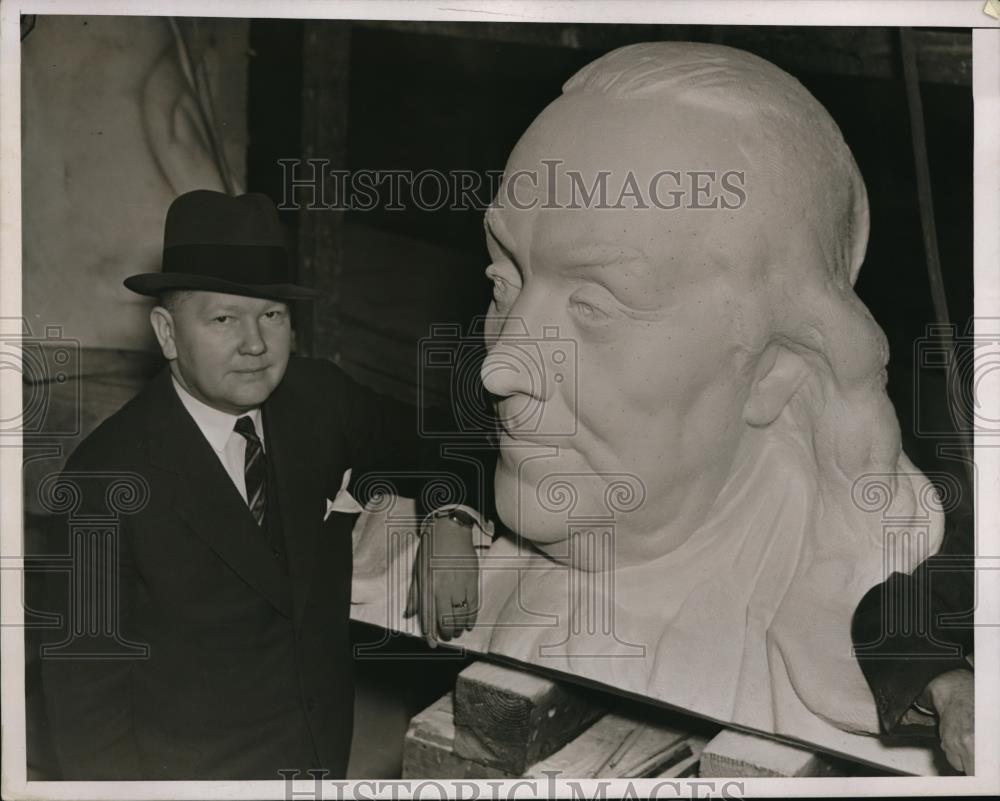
x=777 y=377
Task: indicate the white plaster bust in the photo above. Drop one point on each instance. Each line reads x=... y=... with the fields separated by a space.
x=684 y=480
x=725 y=373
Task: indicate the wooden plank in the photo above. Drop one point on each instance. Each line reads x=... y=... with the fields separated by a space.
x=662 y=750
x=325 y=92
x=576 y=36
x=943 y=56
x=735 y=754
x=509 y=718
x=691 y=765
x=428 y=751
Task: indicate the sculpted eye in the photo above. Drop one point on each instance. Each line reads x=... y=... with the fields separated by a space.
x=504 y=291
x=587 y=311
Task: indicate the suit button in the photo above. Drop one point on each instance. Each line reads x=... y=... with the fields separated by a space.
x=311 y=704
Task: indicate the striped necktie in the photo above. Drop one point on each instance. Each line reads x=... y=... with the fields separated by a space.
x=254 y=469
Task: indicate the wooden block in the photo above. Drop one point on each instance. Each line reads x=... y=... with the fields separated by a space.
x=658 y=748
x=509 y=718
x=735 y=754
x=684 y=769
x=428 y=751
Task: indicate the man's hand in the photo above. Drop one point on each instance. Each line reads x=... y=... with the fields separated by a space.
x=952 y=695
x=445 y=584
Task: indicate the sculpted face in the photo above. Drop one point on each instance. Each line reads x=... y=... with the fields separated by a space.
x=228 y=351
x=651 y=307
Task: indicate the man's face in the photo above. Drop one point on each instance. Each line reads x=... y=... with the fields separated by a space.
x=649 y=309
x=228 y=351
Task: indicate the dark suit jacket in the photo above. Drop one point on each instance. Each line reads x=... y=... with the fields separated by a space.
x=224 y=660
x=912 y=628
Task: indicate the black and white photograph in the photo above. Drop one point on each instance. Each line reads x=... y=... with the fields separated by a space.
x=499 y=400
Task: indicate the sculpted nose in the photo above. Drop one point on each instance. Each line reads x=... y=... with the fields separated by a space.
x=501 y=373
x=512 y=367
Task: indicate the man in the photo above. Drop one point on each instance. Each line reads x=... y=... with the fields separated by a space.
x=228 y=654
x=913 y=639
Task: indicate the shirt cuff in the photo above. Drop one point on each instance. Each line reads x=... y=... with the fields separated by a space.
x=916 y=722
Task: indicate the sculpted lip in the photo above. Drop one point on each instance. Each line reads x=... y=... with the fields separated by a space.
x=509 y=422
x=509 y=431
x=537 y=440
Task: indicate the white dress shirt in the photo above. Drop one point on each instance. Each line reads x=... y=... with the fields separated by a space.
x=218 y=429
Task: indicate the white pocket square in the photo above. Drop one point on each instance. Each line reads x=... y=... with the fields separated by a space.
x=344 y=502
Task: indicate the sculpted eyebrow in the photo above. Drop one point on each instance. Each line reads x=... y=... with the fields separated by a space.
x=623 y=271
x=608 y=265
x=599 y=254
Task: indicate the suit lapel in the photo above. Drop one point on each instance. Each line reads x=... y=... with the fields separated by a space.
x=291 y=451
x=206 y=498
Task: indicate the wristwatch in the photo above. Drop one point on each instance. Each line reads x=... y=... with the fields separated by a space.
x=460 y=516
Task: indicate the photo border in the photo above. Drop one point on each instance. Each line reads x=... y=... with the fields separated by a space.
x=986 y=235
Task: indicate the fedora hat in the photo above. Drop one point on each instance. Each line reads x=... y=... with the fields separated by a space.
x=220 y=243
